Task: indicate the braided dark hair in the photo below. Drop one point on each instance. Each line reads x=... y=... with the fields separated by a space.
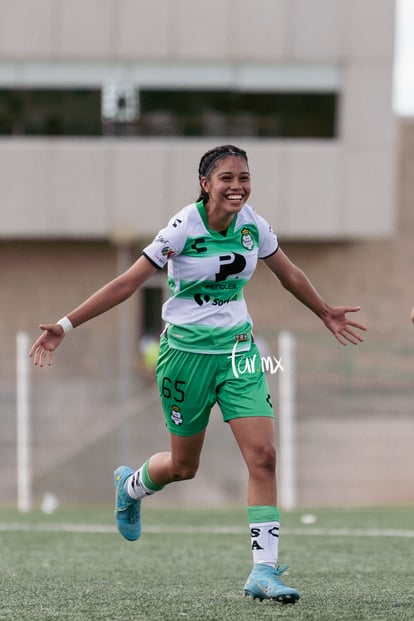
x=209 y=160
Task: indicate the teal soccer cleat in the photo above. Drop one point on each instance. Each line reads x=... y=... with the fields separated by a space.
x=127 y=509
x=264 y=583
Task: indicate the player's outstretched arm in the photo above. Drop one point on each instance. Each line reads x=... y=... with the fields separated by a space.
x=334 y=317
x=112 y=294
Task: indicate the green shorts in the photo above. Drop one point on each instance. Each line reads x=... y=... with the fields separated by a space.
x=191 y=383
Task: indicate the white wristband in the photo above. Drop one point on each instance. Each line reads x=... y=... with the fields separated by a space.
x=66 y=324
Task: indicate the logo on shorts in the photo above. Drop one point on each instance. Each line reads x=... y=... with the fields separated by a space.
x=176 y=415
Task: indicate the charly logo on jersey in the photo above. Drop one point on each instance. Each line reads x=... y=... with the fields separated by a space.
x=176 y=416
x=247 y=239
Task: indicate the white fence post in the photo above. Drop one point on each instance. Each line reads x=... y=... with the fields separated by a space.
x=24 y=472
x=287 y=491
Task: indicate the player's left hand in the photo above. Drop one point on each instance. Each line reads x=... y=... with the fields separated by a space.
x=341 y=327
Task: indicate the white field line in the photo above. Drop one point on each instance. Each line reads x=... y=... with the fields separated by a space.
x=211 y=530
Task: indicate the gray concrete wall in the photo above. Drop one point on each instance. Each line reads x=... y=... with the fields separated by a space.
x=338 y=189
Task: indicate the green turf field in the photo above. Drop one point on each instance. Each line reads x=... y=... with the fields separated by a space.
x=349 y=564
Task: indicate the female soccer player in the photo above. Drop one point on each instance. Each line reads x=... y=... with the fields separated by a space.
x=211 y=248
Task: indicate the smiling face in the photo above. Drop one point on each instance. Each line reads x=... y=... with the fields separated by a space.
x=228 y=188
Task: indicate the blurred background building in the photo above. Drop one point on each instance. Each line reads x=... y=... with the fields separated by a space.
x=106 y=107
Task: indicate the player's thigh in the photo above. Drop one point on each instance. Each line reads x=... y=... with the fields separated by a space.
x=186 y=384
x=186 y=451
x=256 y=439
x=244 y=395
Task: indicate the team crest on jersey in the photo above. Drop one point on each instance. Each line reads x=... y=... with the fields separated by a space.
x=246 y=239
x=176 y=416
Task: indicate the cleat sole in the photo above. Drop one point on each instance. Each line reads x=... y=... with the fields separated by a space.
x=286 y=599
x=280 y=599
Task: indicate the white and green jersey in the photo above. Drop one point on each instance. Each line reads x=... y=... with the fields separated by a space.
x=207 y=272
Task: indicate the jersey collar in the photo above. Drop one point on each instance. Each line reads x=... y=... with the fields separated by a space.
x=203 y=215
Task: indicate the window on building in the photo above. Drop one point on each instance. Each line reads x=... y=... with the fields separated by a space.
x=151 y=326
x=152 y=299
x=214 y=113
x=166 y=112
x=50 y=112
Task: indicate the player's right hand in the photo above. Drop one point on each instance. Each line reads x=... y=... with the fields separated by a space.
x=43 y=348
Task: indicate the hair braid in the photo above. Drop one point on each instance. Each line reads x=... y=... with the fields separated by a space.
x=209 y=159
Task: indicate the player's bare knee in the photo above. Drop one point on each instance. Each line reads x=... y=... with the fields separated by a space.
x=265 y=459
x=184 y=472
